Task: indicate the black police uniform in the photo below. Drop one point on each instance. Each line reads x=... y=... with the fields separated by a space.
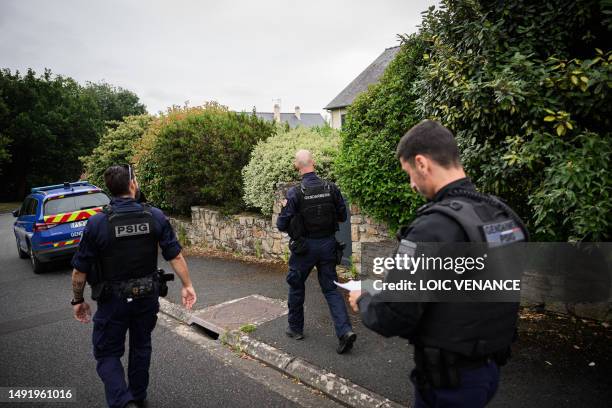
x=118 y=252
x=458 y=346
x=321 y=207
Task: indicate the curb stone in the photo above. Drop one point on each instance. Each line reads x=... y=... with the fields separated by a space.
x=174 y=310
x=338 y=388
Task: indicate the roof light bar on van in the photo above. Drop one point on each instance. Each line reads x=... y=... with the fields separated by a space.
x=65 y=185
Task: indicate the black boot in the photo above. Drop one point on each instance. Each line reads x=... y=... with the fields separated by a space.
x=294 y=335
x=346 y=342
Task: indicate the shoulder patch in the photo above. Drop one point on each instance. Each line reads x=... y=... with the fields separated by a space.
x=406 y=248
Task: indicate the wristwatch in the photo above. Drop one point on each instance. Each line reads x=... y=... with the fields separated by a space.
x=76 y=302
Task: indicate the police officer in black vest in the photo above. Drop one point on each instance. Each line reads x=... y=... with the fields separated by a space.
x=311 y=214
x=117 y=256
x=459 y=347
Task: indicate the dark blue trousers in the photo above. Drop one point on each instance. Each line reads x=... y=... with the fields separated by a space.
x=322 y=254
x=478 y=386
x=111 y=322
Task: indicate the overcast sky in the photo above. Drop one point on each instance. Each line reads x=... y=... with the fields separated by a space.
x=239 y=53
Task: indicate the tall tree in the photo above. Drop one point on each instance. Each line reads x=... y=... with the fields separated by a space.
x=46 y=123
x=114 y=102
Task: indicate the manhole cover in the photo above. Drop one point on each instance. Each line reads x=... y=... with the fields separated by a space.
x=233 y=314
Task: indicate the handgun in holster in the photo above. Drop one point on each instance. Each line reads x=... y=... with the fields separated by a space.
x=163 y=278
x=296 y=231
x=100 y=291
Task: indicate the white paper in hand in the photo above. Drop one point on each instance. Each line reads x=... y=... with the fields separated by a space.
x=350 y=285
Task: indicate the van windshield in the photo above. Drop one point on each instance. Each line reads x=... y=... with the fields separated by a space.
x=75 y=203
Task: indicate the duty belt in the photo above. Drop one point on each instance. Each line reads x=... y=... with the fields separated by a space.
x=136 y=288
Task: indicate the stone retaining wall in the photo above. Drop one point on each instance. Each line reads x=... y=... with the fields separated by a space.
x=255 y=235
x=365 y=229
x=244 y=233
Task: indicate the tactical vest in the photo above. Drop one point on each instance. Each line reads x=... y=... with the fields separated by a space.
x=317 y=207
x=473 y=329
x=132 y=248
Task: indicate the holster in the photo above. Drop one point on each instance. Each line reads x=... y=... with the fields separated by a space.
x=298 y=246
x=163 y=288
x=162 y=280
x=100 y=292
x=339 y=251
x=436 y=368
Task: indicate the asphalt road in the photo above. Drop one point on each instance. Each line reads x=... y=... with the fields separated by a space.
x=42 y=346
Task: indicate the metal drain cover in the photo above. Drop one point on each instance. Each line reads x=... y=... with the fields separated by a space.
x=233 y=314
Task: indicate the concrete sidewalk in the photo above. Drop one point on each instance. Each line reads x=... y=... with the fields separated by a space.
x=538 y=375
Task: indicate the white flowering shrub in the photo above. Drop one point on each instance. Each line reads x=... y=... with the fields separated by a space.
x=271 y=162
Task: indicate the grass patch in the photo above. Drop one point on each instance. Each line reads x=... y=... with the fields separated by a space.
x=258 y=252
x=182 y=236
x=248 y=328
x=353 y=272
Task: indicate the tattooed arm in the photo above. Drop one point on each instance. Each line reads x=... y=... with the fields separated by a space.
x=81 y=311
x=78 y=284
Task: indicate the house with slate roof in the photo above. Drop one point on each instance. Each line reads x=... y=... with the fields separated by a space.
x=371 y=75
x=293 y=119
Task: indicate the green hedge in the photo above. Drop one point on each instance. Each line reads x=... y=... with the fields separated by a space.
x=116 y=147
x=526 y=88
x=194 y=156
x=272 y=162
x=367 y=169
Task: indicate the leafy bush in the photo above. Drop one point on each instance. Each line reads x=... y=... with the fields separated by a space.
x=195 y=155
x=271 y=162
x=146 y=164
x=116 y=147
x=526 y=90
x=367 y=169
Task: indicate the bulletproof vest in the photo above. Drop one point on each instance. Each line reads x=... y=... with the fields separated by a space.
x=317 y=207
x=484 y=218
x=132 y=248
x=473 y=329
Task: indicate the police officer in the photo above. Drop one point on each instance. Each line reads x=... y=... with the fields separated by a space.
x=458 y=346
x=117 y=255
x=315 y=207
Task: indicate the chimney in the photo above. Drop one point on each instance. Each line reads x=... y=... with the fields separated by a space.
x=277 y=116
x=297 y=113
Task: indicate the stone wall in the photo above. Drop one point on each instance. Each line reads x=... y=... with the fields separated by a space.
x=255 y=235
x=243 y=233
x=365 y=229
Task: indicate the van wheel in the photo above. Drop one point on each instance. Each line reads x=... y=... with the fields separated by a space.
x=22 y=254
x=37 y=266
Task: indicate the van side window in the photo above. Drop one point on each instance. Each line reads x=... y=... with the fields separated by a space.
x=24 y=207
x=32 y=206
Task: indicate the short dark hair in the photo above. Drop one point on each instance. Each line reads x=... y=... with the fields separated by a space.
x=430 y=139
x=117 y=179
